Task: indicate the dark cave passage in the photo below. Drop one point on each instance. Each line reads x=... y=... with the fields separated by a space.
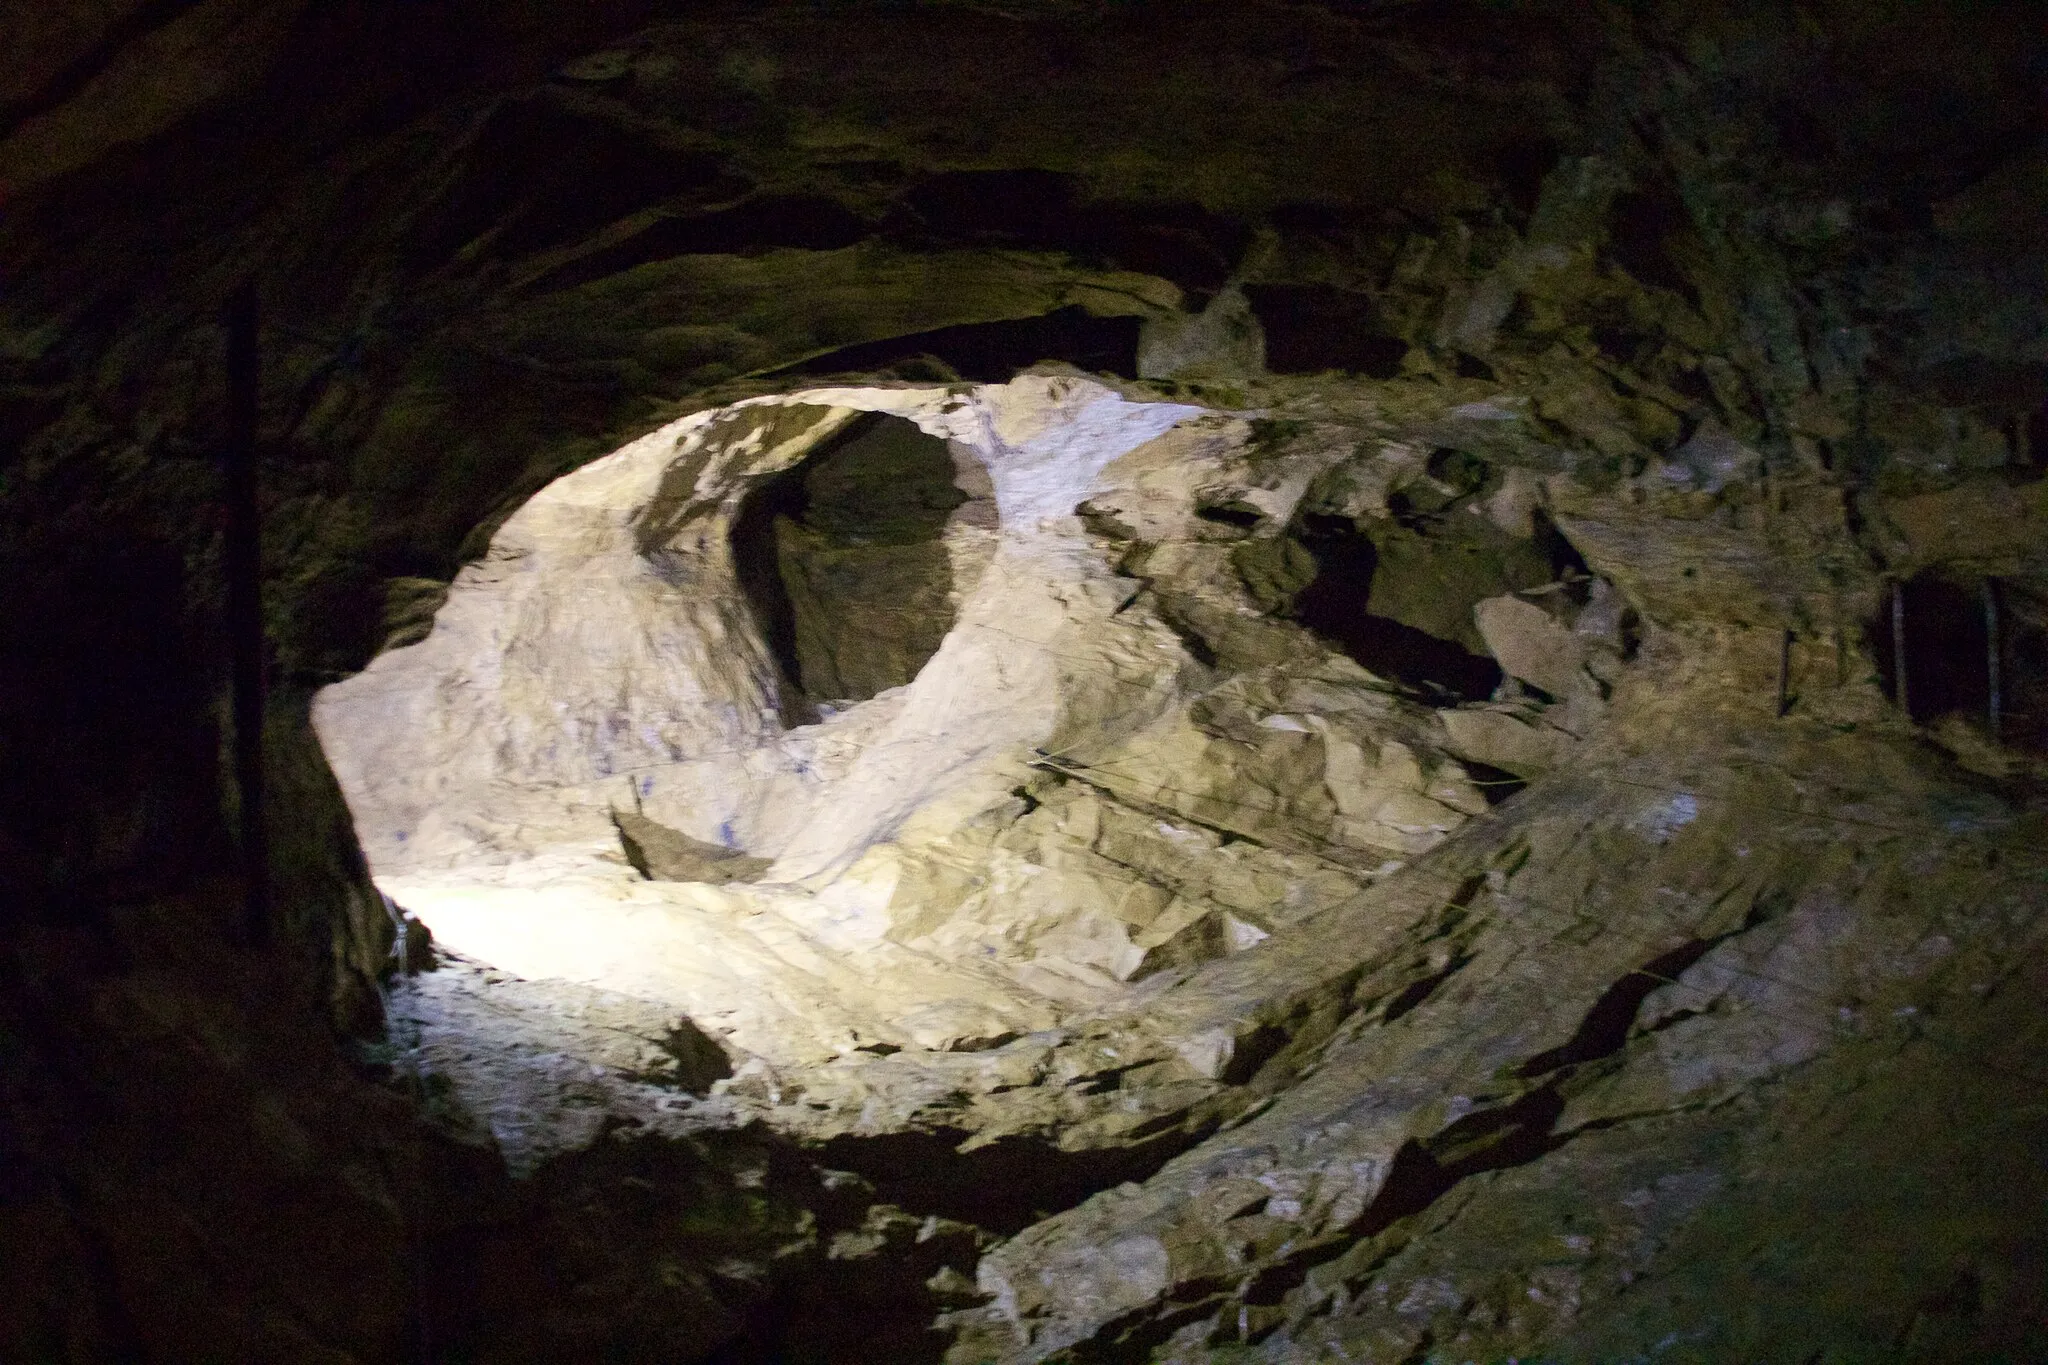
x=844 y=563
x=1041 y=210
x=1946 y=661
x=584 y=1014
x=1314 y=328
x=541 y=174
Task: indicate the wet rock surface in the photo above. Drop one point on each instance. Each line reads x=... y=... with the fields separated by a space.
x=1393 y=759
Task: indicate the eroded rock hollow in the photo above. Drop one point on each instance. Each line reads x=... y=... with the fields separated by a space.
x=1058 y=682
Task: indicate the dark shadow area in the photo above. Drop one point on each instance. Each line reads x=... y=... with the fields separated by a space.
x=105 y=730
x=1335 y=605
x=1029 y=210
x=1313 y=328
x=1642 y=225
x=1565 y=560
x=540 y=175
x=1498 y=1138
x=754 y=563
x=993 y=352
x=1238 y=516
x=1495 y=784
x=1043 y=210
x=1013 y=207
x=1521 y=165
x=81 y=70
x=644 y=1205
x=1605 y=1029
x=842 y=561
x=1468 y=366
x=1948 y=655
x=2023 y=618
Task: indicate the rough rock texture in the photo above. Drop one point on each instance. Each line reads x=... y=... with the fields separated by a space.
x=1419 y=783
x=1384 y=1015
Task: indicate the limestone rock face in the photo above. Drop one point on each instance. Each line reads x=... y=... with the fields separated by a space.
x=634 y=751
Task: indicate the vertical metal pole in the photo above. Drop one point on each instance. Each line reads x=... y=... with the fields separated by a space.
x=244 y=563
x=1840 y=637
x=1785 y=672
x=1899 y=691
x=1991 y=655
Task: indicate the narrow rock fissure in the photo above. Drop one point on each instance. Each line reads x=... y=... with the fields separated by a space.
x=1002 y=1186
x=1605 y=1029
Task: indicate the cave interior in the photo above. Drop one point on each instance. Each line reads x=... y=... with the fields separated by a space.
x=939 y=681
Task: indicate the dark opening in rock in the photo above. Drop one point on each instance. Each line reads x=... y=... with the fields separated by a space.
x=1313 y=328
x=1016 y=207
x=1044 y=210
x=1642 y=226
x=1238 y=515
x=847 y=561
x=540 y=175
x=1522 y=165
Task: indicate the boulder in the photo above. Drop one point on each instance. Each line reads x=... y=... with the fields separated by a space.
x=1501 y=739
x=1532 y=646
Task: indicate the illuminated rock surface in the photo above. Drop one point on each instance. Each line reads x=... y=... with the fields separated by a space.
x=1060 y=814
x=1065 y=681
x=1091 y=881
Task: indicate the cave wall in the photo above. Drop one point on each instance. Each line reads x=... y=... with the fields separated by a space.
x=497 y=250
